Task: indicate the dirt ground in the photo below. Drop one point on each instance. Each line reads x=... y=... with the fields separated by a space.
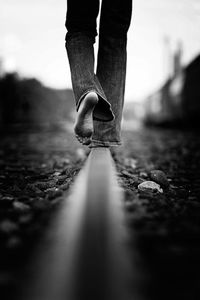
x=37 y=168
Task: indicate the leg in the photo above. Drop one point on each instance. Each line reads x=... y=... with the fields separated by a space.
x=89 y=95
x=111 y=66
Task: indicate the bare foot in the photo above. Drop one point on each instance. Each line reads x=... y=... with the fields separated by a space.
x=84 y=121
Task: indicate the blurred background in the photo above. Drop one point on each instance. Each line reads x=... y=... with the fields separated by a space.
x=163 y=68
x=40 y=157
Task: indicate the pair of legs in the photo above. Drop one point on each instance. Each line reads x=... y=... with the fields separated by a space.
x=99 y=95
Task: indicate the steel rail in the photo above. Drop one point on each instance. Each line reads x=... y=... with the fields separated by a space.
x=86 y=255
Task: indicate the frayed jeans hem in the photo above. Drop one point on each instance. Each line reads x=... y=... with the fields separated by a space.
x=96 y=144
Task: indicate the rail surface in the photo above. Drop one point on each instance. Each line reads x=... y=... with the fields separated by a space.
x=85 y=255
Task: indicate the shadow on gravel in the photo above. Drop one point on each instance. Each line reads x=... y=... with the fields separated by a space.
x=36 y=170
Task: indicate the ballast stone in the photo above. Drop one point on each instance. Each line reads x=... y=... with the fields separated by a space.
x=150 y=186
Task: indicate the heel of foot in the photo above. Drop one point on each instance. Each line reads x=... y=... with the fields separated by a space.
x=84 y=121
x=90 y=100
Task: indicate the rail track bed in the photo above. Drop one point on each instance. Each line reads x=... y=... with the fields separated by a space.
x=112 y=241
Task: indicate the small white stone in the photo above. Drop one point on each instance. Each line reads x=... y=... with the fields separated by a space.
x=21 y=207
x=80 y=154
x=8 y=226
x=150 y=186
x=130 y=162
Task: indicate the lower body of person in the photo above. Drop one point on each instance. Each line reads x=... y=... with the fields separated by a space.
x=99 y=95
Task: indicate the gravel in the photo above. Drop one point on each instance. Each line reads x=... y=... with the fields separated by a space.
x=37 y=169
x=164 y=227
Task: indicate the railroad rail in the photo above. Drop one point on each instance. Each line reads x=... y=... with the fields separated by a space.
x=85 y=255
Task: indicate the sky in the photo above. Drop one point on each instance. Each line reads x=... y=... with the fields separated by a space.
x=32 y=41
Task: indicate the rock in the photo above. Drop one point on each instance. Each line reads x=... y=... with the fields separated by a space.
x=57 y=173
x=40 y=204
x=64 y=186
x=56 y=201
x=64 y=161
x=7 y=198
x=130 y=162
x=21 y=207
x=14 y=242
x=33 y=188
x=43 y=166
x=6 y=201
x=128 y=174
x=45 y=185
x=80 y=154
x=61 y=179
x=150 y=186
x=159 y=177
x=143 y=175
x=25 y=219
x=60 y=163
x=53 y=193
x=8 y=226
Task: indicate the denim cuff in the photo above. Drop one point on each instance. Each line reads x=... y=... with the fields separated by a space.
x=96 y=144
x=103 y=105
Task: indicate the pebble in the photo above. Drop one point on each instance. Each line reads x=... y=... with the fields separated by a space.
x=8 y=226
x=33 y=188
x=21 y=207
x=62 y=178
x=128 y=174
x=64 y=186
x=59 y=164
x=6 y=201
x=56 y=201
x=43 y=166
x=57 y=173
x=143 y=175
x=45 y=185
x=14 y=242
x=131 y=162
x=40 y=204
x=159 y=177
x=150 y=186
x=80 y=154
x=66 y=161
x=7 y=198
x=53 y=193
x=25 y=219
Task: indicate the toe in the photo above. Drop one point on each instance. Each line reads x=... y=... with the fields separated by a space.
x=83 y=140
x=86 y=141
x=78 y=138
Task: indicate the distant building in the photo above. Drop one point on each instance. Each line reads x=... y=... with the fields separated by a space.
x=1 y=67
x=178 y=100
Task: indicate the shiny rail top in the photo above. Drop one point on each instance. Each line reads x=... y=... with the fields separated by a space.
x=85 y=255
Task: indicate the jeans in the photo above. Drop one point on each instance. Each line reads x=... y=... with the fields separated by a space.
x=109 y=79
